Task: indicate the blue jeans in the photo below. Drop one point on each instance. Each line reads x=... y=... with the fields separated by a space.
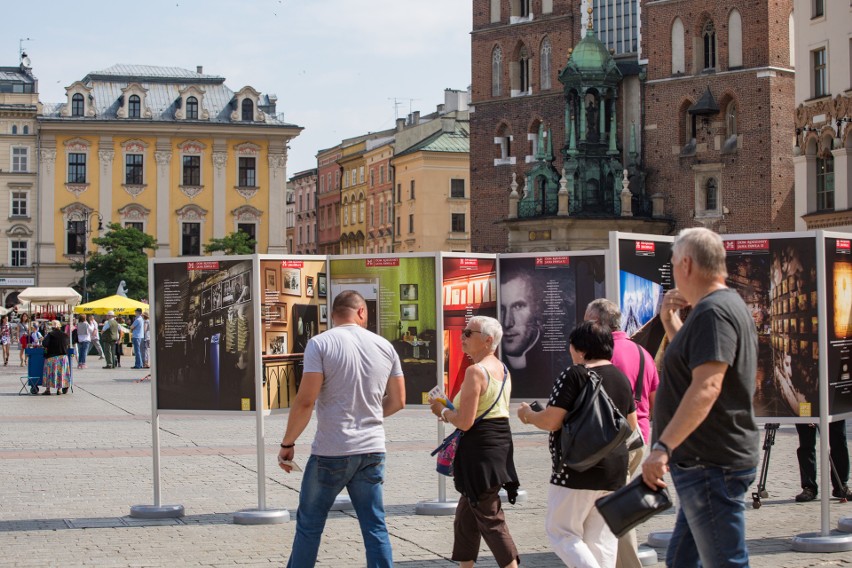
x=710 y=526
x=323 y=479
x=137 y=352
x=82 y=351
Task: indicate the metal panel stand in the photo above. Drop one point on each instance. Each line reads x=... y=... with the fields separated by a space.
x=157 y=510
x=342 y=503
x=647 y=555
x=845 y=524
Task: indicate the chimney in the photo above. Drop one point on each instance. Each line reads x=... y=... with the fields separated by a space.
x=199 y=69
x=448 y=124
x=440 y=109
x=415 y=117
x=400 y=124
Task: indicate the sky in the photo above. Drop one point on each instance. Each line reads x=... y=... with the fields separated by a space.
x=335 y=66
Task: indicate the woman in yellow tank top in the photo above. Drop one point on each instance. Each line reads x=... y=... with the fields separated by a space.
x=484 y=460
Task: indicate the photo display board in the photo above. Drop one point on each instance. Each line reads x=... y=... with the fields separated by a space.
x=294 y=308
x=838 y=297
x=541 y=299
x=469 y=288
x=776 y=275
x=204 y=344
x=644 y=268
x=401 y=305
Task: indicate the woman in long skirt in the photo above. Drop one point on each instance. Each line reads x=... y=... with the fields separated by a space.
x=57 y=370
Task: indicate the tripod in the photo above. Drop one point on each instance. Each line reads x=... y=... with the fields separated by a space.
x=768 y=442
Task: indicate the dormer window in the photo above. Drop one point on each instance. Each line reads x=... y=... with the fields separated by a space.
x=192 y=108
x=247 y=110
x=78 y=105
x=134 y=107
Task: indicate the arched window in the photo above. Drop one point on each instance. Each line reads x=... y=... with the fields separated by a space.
x=248 y=110
x=26 y=129
x=545 y=64
x=77 y=105
x=708 y=36
x=731 y=119
x=134 y=107
x=735 y=39
x=14 y=129
x=825 y=181
x=192 y=108
x=678 y=58
x=521 y=80
x=497 y=72
x=711 y=195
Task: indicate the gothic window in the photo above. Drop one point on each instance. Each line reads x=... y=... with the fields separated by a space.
x=77 y=105
x=545 y=64
x=521 y=73
x=708 y=37
x=735 y=39
x=496 y=72
x=731 y=119
x=711 y=195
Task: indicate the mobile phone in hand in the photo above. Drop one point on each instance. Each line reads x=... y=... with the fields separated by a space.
x=289 y=463
x=536 y=406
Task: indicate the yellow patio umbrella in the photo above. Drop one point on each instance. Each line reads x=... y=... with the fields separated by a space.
x=120 y=305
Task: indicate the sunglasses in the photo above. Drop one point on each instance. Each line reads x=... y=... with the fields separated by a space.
x=469 y=332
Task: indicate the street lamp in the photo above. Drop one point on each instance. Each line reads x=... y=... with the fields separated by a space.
x=84 y=229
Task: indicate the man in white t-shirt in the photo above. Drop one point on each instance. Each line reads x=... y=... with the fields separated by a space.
x=355 y=379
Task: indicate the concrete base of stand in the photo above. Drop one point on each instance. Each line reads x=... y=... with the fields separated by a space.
x=436 y=508
x=845 y=524
x=342 y=503
x=156 y=512
x=264 y=517
x=659 y=539
x=504 y=497
x=647 y=555
x=814 y=542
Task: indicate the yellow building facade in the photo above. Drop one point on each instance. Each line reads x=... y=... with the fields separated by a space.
x=171 y=152
x=353 y=198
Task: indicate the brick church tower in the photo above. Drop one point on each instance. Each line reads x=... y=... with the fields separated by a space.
x=521 y=106
x=718 y=99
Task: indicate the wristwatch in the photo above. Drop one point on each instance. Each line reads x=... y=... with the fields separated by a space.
x=659 y=446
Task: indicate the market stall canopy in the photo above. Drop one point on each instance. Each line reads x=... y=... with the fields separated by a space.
x=47 y=296
x=120 y=305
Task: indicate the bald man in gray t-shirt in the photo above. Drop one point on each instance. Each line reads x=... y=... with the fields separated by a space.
x=355 y=379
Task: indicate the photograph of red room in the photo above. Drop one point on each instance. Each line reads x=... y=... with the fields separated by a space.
x=469 y=289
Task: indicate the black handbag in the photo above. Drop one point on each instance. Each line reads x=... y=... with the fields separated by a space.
x=593 y=428
x=632 y=505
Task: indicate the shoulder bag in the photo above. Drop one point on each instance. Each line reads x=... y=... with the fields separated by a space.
x=632 y=505
x=447 y=450
x=593 y=428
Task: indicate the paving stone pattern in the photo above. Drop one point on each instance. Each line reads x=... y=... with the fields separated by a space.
x=72 y=466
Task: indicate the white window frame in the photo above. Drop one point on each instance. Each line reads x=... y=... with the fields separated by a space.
x=12 y=249
x=12 y=201
x=13 y=158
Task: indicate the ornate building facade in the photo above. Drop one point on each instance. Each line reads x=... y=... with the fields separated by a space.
x=172 y=152
x=823 y=119
x=305 y=225
x=18 y=182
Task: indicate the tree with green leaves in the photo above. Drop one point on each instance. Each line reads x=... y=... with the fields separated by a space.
x=238 y=242
x=121 y=256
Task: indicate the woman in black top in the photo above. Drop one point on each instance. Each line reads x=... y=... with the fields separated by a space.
x=57 y=369
x=574 y=527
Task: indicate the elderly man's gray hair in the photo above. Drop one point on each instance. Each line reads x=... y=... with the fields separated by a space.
x=605 y=313
x=705 y=248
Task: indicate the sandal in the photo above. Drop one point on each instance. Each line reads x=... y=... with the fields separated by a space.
x=47 y=392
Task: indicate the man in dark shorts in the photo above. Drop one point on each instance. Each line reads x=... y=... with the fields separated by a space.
x=704 y=428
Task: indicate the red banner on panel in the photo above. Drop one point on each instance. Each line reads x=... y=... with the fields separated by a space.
x=374 y=262
x=751 y=244
x=203 y=265
x=645 y=246
x=551 y=261
x=292 y=264
x=468 y=263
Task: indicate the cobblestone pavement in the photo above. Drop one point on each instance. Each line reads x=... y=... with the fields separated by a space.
x=72 y=466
